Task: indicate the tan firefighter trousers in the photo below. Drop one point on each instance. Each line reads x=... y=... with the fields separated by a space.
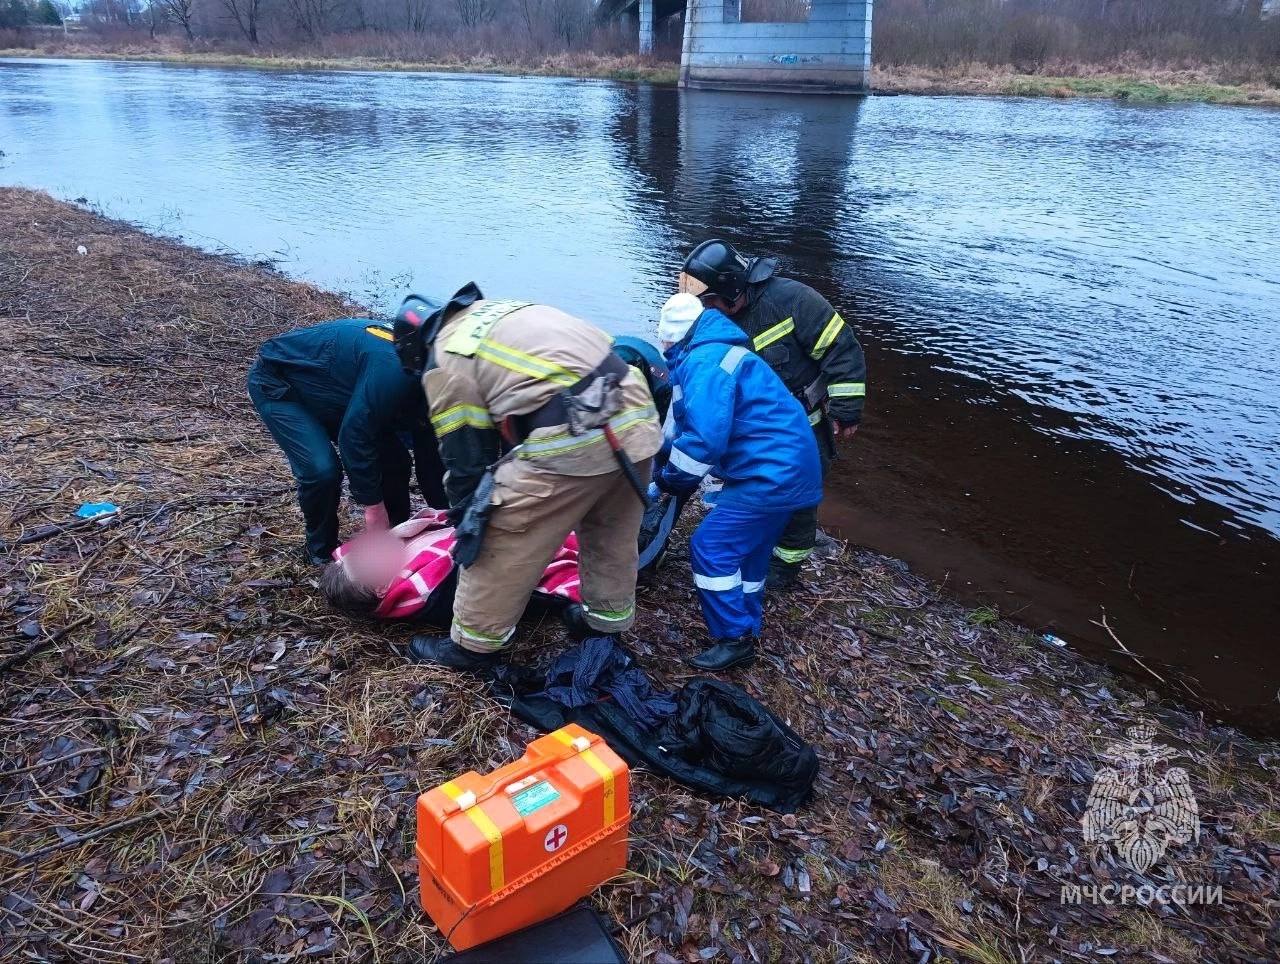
x=534 y=511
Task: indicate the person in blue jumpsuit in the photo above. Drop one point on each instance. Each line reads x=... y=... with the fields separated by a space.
x=336 y=400
x=733 y=415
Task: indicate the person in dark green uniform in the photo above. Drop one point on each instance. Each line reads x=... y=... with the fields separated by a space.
x=336 y=400
x=806 y=342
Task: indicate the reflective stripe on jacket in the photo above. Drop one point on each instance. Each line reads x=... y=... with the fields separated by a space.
x=803 y=338
x=731 y=413
x=494 y=360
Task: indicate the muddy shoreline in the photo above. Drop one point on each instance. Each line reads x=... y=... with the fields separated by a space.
x=203 y=763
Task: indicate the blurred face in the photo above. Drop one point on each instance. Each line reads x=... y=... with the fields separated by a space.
x=374 y=559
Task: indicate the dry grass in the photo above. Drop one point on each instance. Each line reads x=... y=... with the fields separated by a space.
x=952 y=909
x=603 y=66
x=1118 y=81
x=1144 y=929
x=200 y=763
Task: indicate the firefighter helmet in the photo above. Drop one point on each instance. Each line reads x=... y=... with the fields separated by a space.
x=715 y=267
x=411 y=325
x=420 y=319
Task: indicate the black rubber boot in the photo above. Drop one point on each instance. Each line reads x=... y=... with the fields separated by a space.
x=725 y=654
x=783 y=576
x=576 y=625
x=314 y=559
x=443 y=651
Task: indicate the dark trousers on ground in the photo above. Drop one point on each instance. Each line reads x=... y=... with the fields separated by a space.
x=308 y=444
x=798 y=538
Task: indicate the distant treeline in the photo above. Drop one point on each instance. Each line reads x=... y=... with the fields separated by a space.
x=389 y=29
x=17 y=14
x=1031 y=36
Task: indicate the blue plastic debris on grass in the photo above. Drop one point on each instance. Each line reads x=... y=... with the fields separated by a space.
x=92 y=509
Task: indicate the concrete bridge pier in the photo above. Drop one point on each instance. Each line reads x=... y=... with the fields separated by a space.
x=830 y=53
x=644 y=10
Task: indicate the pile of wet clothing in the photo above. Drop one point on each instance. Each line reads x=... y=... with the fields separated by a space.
x=709 y=735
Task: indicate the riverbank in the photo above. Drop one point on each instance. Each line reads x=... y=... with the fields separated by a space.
x=201 y=762
x=1139 y=84
x=1144 y=85
x=571 y=65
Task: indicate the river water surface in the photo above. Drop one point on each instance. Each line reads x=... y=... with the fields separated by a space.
x=1071 y=310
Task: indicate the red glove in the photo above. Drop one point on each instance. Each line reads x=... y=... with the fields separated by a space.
x=375 y=518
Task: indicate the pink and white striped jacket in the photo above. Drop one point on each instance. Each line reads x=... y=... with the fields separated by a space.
x=428 y=541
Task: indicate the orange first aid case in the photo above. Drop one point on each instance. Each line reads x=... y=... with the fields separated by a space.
x=502 y=851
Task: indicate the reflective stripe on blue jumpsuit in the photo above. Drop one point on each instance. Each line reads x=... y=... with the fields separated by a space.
x=732 y=413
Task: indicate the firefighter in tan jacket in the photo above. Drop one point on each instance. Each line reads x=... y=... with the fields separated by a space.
x=568 y=431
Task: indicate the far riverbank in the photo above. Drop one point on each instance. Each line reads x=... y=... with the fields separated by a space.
x=1154 y=85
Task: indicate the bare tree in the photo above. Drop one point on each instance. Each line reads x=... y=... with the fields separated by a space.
x=570 y=19
x=246 y=14
x=472 y=13
x=181 y=12
x=532 y=11
x=415 y=15
x=312 y=16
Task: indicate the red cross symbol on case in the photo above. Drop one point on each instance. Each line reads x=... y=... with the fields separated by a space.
x=555 y=838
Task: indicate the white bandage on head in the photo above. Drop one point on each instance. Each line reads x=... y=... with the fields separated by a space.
x=677 y=317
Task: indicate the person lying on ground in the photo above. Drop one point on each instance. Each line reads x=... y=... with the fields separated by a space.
x=733 y=415
x=335 y=399
x=408 y=572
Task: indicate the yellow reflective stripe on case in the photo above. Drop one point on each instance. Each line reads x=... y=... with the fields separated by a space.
x=457 y=416
x=497 y=870
x=477 y=325
x=847 y=389
x=767 y=337
x=606 y=775
x=828 y=336
x=522 y=363
x=602 y=771
x=381 y=331
x=815 y=416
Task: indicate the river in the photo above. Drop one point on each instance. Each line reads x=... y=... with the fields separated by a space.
x=1071 y=309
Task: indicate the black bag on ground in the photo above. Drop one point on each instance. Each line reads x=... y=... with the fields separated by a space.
x=719 y=726
x=578 y=936
x=719 y=742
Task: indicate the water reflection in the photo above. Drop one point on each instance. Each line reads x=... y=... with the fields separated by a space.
x=1070 y=308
